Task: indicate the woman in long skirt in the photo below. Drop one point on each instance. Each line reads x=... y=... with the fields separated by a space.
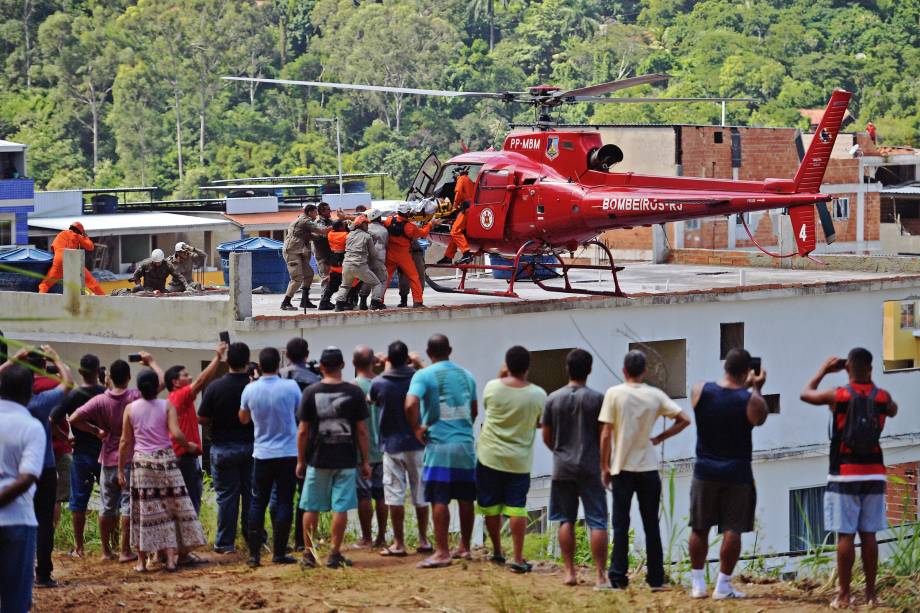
x=162 y=516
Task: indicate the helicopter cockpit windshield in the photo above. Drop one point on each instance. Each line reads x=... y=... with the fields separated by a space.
x=444 y=186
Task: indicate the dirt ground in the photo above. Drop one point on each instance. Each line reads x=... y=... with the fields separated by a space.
x=375 y=583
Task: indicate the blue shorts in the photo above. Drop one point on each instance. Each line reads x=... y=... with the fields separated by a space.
x=855 y=506
x=564 y=497
x=442 y=492
x=329 y=489
x=501 y=493
x=371 y=489
x=84 y=472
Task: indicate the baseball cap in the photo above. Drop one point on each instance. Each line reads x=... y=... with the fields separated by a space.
x=332 y=357
x=157 y=255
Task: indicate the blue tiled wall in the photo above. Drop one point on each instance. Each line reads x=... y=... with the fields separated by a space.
x=17 y=189
x=22 y=222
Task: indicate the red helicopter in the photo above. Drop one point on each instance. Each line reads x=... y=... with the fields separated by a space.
x=552 y=191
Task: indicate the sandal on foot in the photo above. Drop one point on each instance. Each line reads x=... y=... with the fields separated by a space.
x=456 y=555
x=389 y=552
x=338 y=561
x=425 y=549
x=190 y=560
x=520 y=568
x=429 y=563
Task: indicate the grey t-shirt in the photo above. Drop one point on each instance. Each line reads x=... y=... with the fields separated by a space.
x=571 y=412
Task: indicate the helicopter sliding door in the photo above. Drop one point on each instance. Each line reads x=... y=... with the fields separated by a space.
x=489 y=212
x=426 y=174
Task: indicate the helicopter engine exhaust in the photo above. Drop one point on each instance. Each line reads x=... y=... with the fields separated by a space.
x=605 y=158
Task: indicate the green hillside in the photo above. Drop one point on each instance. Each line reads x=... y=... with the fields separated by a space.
x=119 y=92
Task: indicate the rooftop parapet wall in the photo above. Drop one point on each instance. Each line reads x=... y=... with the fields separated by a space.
x=856 y=263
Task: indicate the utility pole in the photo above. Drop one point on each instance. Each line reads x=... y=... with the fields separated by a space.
x=338 y=146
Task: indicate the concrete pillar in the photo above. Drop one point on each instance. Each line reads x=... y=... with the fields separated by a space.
x=732 y=228
x=678 y=235
x=659 y=244
x=74 y=262
x=860 y=209
x=241 y=285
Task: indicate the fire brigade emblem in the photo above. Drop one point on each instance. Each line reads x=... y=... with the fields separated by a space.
x=486 y=219
x=825 y=136
x=552 y=147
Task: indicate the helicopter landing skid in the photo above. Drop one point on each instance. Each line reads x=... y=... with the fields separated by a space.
x=527 y=271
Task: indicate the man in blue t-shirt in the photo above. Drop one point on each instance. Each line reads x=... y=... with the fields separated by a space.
x=441 y=408
x=270 y=403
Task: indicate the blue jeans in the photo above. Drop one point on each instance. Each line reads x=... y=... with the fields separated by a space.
x=190 y=467
x=17 y=557
x=84 y=473
x=267 y=474
x=231 y=473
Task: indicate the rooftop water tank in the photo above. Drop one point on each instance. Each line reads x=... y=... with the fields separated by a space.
x=22 y=269
x=269 y=269
x=105 y=204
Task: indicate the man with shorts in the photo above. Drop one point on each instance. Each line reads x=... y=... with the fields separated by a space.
x=629 y=413
x=441 y=409
x=403 y=454
x=855 y=497
x=722 y=492
x=85 y=468
x=332 y=432
x=572 y=433
x=102 y=416
x=370 y=491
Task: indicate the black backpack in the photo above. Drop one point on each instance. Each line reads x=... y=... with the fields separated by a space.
x=862 y=429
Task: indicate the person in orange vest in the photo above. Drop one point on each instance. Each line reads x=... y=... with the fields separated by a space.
x=464 y=189
x=399 y=255
x=337 y=237
x=73 y=237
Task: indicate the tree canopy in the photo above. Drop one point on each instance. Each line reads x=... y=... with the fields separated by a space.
x=129 y=91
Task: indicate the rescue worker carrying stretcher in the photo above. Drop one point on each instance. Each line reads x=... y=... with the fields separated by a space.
x=337 y=238
x=359 y=251
x=402 y=231
x=154 y=271
x=297 y=254
x=378 y=263
x=73 y=237
x=464 y=190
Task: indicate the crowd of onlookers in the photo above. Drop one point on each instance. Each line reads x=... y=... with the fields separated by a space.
x=295 y=438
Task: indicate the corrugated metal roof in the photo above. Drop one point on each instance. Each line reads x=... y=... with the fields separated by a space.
x=911 y=189
x=130 y=223
x=11 y=147
x=255 y=222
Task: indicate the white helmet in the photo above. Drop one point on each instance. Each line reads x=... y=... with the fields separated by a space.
x=157 y=255
x=403 y=208
x=180 y=246
x=373 y=214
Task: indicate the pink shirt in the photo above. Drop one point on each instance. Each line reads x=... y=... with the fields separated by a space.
x=107 y=411
x=148 y=419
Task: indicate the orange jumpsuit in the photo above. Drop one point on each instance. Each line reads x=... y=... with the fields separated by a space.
x=463 y=192
x=68 y=239
x=402 y=231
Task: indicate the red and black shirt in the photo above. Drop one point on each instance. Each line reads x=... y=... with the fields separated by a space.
x=844 y=461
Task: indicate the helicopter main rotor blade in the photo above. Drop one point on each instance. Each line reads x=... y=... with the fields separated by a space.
x=612 y=86
x=374 y=88
x=595 y=100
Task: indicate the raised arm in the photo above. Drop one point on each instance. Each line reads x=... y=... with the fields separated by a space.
x=811 y=394
x=210 y=370
x=63 y=369
x=757 y=406
x=148 y=361
x=19 y=356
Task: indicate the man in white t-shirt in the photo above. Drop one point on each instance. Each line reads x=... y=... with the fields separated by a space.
x=629 y=413
x=22 y=452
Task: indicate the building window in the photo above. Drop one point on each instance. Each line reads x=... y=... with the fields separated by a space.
x=907 y=316
x=731 y=336
x=667 y=365
x=134 y=248
x=692 y=224
x=806 y=519
x=547 y=369
x=7 y=230
x=772 y=401
x=717 y=138
x=841 y=208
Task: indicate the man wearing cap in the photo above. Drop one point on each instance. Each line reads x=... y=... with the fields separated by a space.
x=331 y=435
x=73 y=237
x=319 y=231
x=463 y=198
x=402 y=232
x=359 y=251
x=297 y=254
x=154 y=271
x=184 y=260
x=378 y=263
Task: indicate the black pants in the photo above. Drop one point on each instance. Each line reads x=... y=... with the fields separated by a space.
x=190 y=467
x=335 y=280
x=647 y=488
x=267 y=474
x=45 y=495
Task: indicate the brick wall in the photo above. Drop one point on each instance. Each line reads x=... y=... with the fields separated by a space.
x=901 y=496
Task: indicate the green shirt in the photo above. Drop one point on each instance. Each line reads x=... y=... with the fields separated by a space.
x=511 y=418
x=374 y=455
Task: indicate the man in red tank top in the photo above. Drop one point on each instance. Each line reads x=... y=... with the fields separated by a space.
x=855 y=497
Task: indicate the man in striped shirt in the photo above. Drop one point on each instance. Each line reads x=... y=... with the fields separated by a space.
x=855 y=497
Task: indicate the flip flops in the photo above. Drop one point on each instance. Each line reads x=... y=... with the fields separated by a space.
x=433 y=564
x=389 y=552
x=520 y=569
x=426 y=549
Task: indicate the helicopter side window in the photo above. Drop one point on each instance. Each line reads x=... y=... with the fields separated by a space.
x=444 y=186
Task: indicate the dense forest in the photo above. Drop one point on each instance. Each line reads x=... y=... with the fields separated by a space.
x=118 y=92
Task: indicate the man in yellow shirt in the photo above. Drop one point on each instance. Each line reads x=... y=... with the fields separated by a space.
x=629 y=413
x=504 y=453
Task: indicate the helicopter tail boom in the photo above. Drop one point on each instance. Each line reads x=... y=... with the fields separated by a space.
x=811 y=171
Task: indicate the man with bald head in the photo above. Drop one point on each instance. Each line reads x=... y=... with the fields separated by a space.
x=441 y=409
x=370 y=491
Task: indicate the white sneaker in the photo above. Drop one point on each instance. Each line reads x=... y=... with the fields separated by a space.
x=732 y=593
x=699 y=593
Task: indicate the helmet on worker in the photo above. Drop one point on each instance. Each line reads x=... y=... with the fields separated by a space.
x=157 y=256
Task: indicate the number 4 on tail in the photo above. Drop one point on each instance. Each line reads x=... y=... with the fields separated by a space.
x=803 y=235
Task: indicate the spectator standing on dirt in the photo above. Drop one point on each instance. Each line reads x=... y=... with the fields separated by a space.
x=22 y=441
x=403 y=454
x=629 y=413
x=571 y=431
x=855 y=497
x=370 y=491
x=231 y=447
x=512 y=407
x=722 y=492
x=441 y=408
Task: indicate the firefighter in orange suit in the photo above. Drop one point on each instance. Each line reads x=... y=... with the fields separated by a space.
x=399 y=254
x=464 y=189
x=73 y=237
